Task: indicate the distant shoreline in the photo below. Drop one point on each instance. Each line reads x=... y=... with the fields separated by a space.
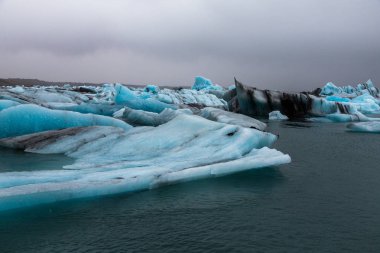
x=36 y=82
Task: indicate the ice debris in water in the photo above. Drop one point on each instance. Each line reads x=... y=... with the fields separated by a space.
x=368 y=127
x=112 y=160
x=277 y=115
x=26 y=119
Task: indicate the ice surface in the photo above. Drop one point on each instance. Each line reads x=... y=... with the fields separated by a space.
x=143 y=118
x=277 y=115
x=112 y=161
x=363 y=88
x=4 y=104
x=368 y=127
x=330 y=89
x=337 y=99
x=152 y=88
x=100 y=109
x=222 y=116
x=25 y=119
x=17 y=89
x=126 y=97
x=202 y=83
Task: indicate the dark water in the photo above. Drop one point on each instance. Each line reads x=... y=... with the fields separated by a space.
x=326 y=200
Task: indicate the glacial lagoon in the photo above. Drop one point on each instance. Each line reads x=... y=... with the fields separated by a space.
x=326 y=200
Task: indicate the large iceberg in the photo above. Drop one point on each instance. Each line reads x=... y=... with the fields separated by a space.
x=256 y=102
x=26 y=119
x=110 y=160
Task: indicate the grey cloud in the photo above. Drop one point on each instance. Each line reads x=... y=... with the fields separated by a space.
x=295 y=44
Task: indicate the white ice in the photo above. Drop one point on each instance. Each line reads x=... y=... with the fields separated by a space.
x=368 y=127
x=277 y=115
x=110 y=160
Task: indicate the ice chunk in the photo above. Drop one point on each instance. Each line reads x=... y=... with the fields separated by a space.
x=152 y=88
x=100 y=109
x=126 y=97
x=138 y=159
x=369 y=127
x=337 y=99
x=222 y=116
x=17 y=89
x=202 y=83
x=277 y=115
x=330 y=89
x=25 y=119
x=4 y=104
x=143 y=118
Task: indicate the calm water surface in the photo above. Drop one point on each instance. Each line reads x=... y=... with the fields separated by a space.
x=326 y=200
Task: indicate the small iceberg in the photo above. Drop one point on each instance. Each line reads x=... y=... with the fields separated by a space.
x=277 y=115
x=367 y=127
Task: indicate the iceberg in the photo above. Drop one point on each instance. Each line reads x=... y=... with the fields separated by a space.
x=152 y=88
x=256 y=102
x=277 y=115
x=126 y=97
x=4 y=104
x=202 y=83
x=367 y=127
x=231 y=118
x=363 y=88
x=110 y=160
x=143 y=118
x=27 y=118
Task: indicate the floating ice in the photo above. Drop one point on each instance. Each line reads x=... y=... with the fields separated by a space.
x=4 y=104
x=231 y=118
x=26 y=119
x=100 y=109
x=17 y=89
x=368 y=127
x=337 y=99
x=363 y=88
x=126 y=97
x=330 y=89
x=143 y=118
x=202 y=83
x=277 y=115
x=111 y=161
x=152 y=88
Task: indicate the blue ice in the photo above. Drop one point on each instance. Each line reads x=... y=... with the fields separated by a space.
x=26 y=119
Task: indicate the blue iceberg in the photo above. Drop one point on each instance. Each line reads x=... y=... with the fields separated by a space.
x=202 y=83
x=26 y=119
x=4 y=104
x=126 y=97
x=110 y=160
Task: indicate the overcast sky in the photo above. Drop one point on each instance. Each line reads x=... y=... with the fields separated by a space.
x=274 y=44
